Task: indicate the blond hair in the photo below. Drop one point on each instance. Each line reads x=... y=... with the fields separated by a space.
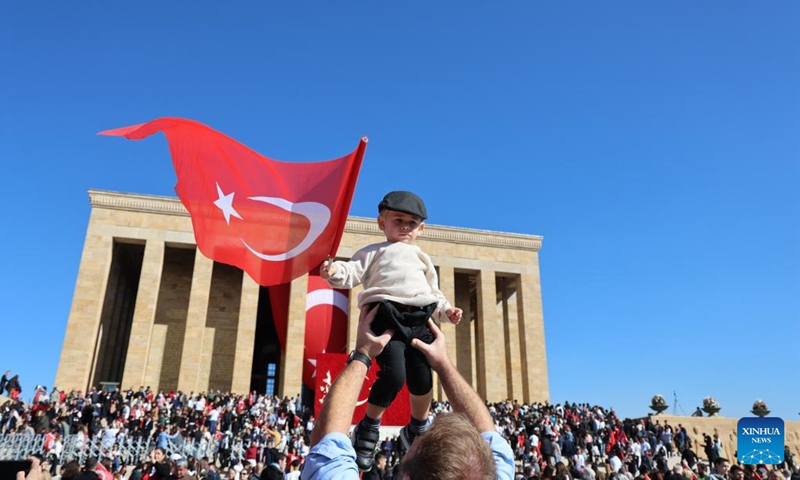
x=452 y=449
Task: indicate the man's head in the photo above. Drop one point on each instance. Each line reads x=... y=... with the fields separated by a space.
x=451 y=449
x=181 y=468
x=737 y=473
x=380 y=461
x=722 y=464
x=91 y=464
x=401 y=216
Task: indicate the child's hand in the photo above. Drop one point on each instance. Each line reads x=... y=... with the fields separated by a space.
x=454 y=315
x=327 y=269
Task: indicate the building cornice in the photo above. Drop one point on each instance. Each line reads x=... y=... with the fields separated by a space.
x=158 y=204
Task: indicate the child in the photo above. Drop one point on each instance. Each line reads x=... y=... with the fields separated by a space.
x=402 y=280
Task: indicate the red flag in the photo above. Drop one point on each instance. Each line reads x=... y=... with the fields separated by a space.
x=328 y=367
x=326 y=324
x=103 y=473
x=275 y=220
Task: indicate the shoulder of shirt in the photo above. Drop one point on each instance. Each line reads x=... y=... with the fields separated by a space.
x=402 y=245
x=372 y=247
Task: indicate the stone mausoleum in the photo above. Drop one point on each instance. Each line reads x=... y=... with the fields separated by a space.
x=149 y=309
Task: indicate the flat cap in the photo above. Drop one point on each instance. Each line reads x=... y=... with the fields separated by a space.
x=406 y=202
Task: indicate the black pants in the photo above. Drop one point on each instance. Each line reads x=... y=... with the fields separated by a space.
x=400 y=362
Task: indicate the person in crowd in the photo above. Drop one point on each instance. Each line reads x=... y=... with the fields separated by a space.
x=276 y=469
x=294 y=470
x=159 y=468
x=737 y=473
x=90 y=470
x=379 y=469
x=689 y=456
x=13 y=387
x=180 y=470
x=720 y=471
x=702 y=471
x=4 y=381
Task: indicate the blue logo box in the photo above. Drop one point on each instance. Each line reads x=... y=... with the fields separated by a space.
x=760 y=440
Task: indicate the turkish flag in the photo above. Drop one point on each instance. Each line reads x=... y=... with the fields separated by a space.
x=327 y=310
x=275 y=220
x=103 y=473
x=328 y=367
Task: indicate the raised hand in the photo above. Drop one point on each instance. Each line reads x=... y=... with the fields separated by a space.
x=454 y=315
x=436 y=352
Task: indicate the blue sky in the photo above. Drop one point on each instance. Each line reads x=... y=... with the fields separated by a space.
x=654 y=145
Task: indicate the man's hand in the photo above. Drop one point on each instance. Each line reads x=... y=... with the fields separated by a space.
x=366 y=341
x=35 y=472
x=436 y=352
x=327 y=269
x=337 y=411
x=454 y=315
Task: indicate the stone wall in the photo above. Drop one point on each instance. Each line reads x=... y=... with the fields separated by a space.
x=726 y=428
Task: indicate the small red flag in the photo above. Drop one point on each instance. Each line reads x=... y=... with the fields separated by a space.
x=326 y=324
x=330 y=365
x=275 y=220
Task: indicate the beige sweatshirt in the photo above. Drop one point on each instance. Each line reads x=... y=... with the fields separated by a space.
x=398 y=272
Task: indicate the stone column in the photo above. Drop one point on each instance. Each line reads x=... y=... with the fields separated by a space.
x=188 y=378
x=464 y=338
x=491 y=346
x=511 y=323
x=447 y=284
x=245 y=335
x=144 y=315
x=291 y=378
x=531 y=329
x=87 y=306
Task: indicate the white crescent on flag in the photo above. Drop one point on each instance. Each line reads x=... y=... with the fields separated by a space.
x=318 y=216
x=327 y=296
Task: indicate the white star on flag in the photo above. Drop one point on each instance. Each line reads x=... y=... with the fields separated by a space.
x=225 y=203
x=313 y=361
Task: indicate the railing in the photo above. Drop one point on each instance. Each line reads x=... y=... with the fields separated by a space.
x=132 y=450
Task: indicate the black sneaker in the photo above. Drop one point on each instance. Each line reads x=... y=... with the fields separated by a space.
x=406 y=438
x=365 y=440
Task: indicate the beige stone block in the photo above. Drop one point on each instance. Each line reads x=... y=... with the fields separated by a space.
x=465 y=358
x=514 y=339
x=447 y=284
x=532 y=331
x=245 y=335
x=155 y=356
x=206 y=355
x=87 y=305
x=291 y=379
x=490 y=345
x=195 y=323
x=143 y=315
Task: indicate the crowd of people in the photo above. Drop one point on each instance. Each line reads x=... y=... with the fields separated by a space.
x=268 y=429
x=567 y=441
